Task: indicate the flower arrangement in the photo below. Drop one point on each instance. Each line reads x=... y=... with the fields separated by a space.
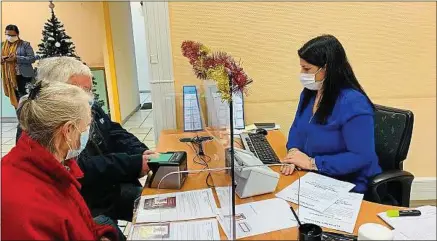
x=216 y=66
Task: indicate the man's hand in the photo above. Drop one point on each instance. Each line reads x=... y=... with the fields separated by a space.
x=146 y=157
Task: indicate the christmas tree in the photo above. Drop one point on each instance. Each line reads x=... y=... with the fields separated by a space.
x=55 y=41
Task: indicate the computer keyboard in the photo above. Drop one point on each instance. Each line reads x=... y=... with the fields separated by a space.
x=258 y=145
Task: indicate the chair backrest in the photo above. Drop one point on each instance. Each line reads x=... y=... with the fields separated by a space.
x=393 y=129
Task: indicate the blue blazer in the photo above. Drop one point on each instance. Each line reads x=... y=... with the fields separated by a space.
x=344 y=148
x=25 y=59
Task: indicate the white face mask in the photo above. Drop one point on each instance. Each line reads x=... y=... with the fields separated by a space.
x=309 y=81
x=11 y=39
x=72 y=153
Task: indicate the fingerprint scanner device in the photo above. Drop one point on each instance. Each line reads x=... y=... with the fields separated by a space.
x=164 y=164
x=251 y=176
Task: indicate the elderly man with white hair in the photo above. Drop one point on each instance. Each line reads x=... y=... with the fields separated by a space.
x=113 y=158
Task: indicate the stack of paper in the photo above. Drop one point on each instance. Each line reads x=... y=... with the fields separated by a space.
x=324 y=201
x=191 y=230
x=421 y=227
x=177 y=206
x=258 y=218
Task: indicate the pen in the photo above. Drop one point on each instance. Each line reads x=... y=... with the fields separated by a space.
x=403 y=213
x=338 y=236
x=295 y=216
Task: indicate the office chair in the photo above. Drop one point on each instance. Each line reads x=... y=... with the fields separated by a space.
x=393 y=130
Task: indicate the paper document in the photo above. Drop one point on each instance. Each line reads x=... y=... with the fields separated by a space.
x=218 y=109
x=421 y=227
x=224 y=196
x=192 y=114
x=176 y=206
x=317 y=192
x=258 y=218
x=189 y=230
x=341 y=215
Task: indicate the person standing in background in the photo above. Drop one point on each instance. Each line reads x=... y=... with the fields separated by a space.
x=16 y=60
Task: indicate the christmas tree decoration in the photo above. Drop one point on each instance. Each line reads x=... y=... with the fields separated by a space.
x=54 y=41
x=217 y=66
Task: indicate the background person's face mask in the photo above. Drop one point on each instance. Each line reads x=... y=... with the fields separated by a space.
x=12 y=39
x=84 y=137
x=309 y=81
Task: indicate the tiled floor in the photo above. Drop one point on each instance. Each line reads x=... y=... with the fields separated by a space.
x=140 y=124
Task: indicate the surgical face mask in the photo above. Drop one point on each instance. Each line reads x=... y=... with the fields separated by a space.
x=309 y=81
x=84 y=137
x=12 y=38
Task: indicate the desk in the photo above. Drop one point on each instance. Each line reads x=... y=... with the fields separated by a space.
x=169 y=141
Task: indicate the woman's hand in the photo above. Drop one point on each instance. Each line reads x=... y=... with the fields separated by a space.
x=299 y=159
x=146 y=157
x=11 y=58
x=287 y=169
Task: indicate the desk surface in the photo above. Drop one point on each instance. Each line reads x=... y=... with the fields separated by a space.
x=169 y=141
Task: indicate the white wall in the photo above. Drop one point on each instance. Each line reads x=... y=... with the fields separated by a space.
x=140 y=40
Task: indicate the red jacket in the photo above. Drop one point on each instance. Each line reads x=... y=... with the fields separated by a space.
x=41 y=200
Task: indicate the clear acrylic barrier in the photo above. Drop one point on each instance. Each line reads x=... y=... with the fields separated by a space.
x=204 y=207
x=166 y=212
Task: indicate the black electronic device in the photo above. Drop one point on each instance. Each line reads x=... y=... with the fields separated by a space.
x=261 y=131
x=161 y=167
x=265 y=125
x=198 y=140
x=258 y=144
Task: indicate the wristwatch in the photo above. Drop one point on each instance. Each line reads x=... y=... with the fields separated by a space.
x=313 y=164
x=292 y=150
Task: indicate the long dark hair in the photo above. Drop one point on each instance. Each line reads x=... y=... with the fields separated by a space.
x=11 y=27
x=327 y=51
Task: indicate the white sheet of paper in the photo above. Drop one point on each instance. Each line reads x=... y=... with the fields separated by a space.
x=189 y=230
x=421 y=227
x=224 y=196
x=258 y=217
x=317 y=192
x=189 y=205
x=218 y=110
x=341 y=215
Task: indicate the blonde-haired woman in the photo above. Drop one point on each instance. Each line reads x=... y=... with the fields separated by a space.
x=40 y=196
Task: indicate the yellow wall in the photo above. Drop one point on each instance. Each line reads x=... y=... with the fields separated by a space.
x=391 y=47
x=83 y=22
x=124 y=57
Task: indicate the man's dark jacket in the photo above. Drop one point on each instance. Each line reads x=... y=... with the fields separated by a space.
x=112 y=156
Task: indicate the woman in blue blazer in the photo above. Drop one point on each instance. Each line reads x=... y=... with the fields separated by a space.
x=333 y=130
